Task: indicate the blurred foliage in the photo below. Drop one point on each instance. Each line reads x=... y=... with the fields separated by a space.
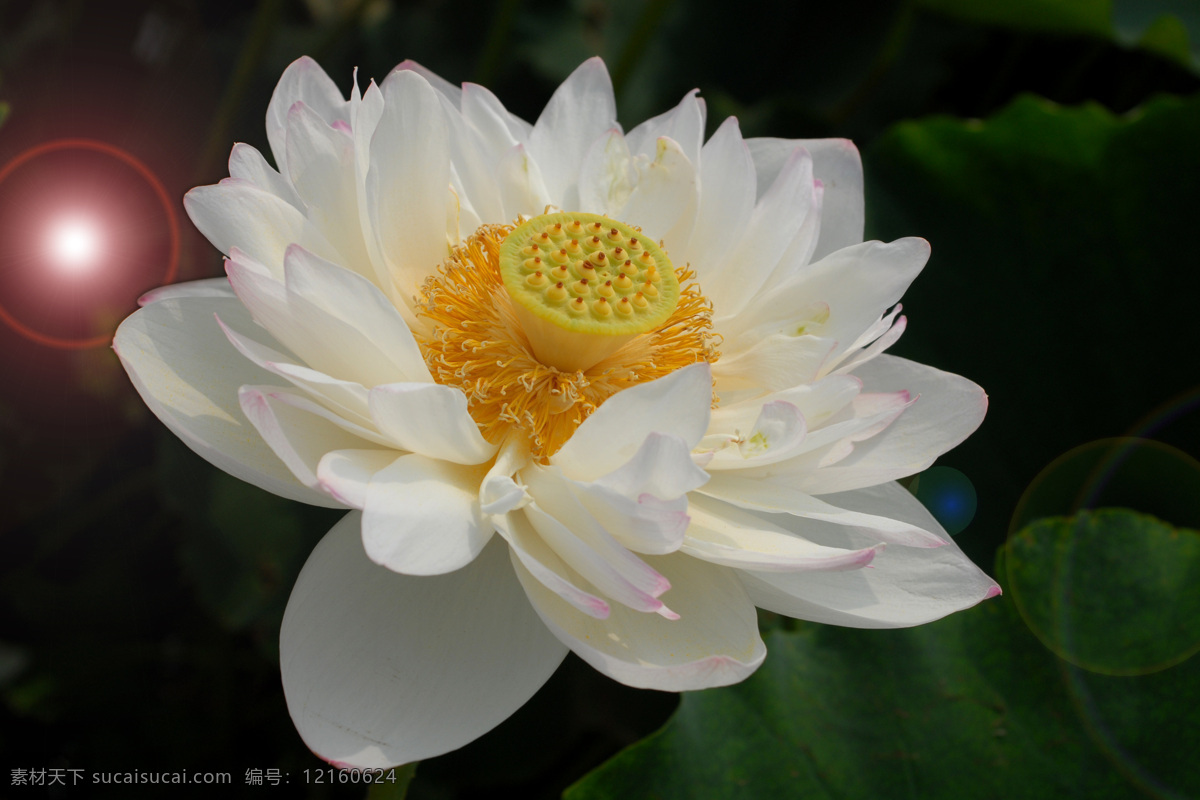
x=970 y=706
x=1057 y=264
x=1047 y=150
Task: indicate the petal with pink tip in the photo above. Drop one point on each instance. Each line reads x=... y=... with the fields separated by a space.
x=236 y=214
x=188 y=374
x=779 y=497
x=838 y=166
x=721 y=533
x=904 y=586
x=948 y=408
x=290 y=428
x=303 y=81
x=409 y=181
x=714 y=642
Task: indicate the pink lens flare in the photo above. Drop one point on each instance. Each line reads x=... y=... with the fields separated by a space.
x=76 y=241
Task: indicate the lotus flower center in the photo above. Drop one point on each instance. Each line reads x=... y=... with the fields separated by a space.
x=583 y=285
x=540 y=322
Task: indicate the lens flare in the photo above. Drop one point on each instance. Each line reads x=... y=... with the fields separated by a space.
x=75 y=244
x=949 y=495
x=72 y=206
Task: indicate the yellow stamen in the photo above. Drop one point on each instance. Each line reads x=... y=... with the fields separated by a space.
x=478 y=344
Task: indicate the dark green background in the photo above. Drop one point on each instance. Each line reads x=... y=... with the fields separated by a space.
x=1048 y=151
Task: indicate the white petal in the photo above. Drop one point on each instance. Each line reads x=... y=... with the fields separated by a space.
x=777 y=434
x=297 y=435
x=721 y=533
x=304 y=402
x=347 y=398
x=237 y=214
x=360 y=304
x=858 y=284
x=816 y=401
x=246 y=163
x=322 y=168
x=188 y=374
x=607 y=176
x=498 y=129
x=665 y=200
x=409 y=180
x=474 y=172
x=903 y=586
x=947 y=410
x=381 y=669
x=677 y=404
x=208 y=287
x=532 y=553
x=800 y=252
x=643 y=503
x=500 y=493
x=838 y=166
x=714 y=643
x=447 y=89
x=323 y=341
x=422 y=516
x=345 y=474
x=856 y=358
x=367 y=112
x=582 y=543
x=769 y=496
x=684 y=123
x=521 y=184
x=726 y=199
x=773 y=225
x=303 y=81
x=644 y=524
x=662 y=467
x=774 y=363
x=430 y=419
x=580 y=110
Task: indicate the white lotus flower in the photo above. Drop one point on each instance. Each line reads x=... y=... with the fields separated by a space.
x=533 y=473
